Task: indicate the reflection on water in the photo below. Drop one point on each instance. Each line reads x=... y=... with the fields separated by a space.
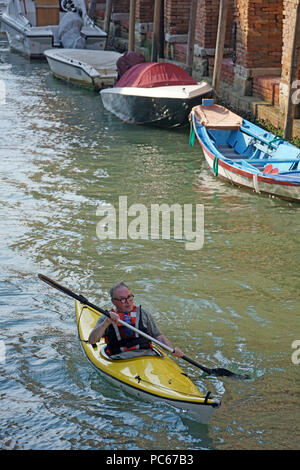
x=232 y=304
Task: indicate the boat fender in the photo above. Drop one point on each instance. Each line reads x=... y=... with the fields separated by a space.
x=255 y=183
x=207 y=396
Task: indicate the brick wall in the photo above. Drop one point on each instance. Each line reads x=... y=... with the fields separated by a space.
x=227 y=71
x=267 y=88
x=121 y=6
x=259 y=32
x=289 y=12
x=207 y=23
x=177 y=15
x=144 y=11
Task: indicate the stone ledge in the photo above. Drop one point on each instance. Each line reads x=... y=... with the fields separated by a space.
x=251 y=107
x=255 y=108
x=176 y=38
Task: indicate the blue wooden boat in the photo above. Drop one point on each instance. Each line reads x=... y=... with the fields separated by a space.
x=244 y=154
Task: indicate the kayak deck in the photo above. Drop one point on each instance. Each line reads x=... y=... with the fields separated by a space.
x=157 y=377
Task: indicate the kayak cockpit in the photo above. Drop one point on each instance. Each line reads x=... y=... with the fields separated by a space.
x=106 y=356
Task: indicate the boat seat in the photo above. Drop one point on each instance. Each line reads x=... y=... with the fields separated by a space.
x=230 y=152
x=241 y=143
x=261 y=150
x=263 y=138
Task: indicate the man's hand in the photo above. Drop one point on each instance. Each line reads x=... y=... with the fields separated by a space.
x=163 y=339
x=114 y=318
x=177 y=352
x=97 y=333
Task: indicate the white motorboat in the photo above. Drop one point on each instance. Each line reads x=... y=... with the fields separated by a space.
x=93 y=69
x=155 y=93
x=35 y=26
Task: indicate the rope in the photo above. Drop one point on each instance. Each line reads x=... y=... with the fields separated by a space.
x=216 y=166
x=277 y=137
x=192 y=134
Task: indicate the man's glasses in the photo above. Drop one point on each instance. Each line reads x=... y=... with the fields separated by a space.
x=124 y=299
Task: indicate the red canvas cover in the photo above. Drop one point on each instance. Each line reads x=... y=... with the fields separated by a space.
x=154 y=74
x=128 y=60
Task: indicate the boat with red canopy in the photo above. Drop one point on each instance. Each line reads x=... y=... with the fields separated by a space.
x=156 y=93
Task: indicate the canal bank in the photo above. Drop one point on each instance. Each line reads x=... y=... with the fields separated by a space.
x=258 y=47
x=234 y=303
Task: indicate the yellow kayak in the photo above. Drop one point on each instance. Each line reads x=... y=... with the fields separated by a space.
x=149 y=377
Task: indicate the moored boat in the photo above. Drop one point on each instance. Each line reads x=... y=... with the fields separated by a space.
x=244 y=154
x=155 y=93
x=90 y=68
x=33 y=26
x=147 y=377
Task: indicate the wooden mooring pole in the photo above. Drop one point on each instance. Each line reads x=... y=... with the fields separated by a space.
x=131 y=36
x=191 y=37
x=156 y=29
x=108 y=10
x=220 y=44
x=293 y=72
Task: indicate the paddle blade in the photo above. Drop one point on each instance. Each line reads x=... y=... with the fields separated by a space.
x=63 y=289
x=220 y=372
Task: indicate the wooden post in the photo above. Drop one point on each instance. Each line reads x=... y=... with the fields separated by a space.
x=293 y=71
x=220 y=44
x=191 y=37
x=131 y=36
x=92 y=8
x=161 y=39
x=156 y=29
x=108 y=10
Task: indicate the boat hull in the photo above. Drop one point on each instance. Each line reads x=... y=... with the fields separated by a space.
x=77 y=66
x=248 y=171
x=34 y=41
x=151 y=108
x=153 y=378
x=24 y=42
x=256 y=183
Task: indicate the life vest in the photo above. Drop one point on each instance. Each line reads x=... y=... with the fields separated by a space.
x=119 y=338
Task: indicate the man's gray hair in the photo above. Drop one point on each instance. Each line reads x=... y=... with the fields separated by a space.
x=115 y=287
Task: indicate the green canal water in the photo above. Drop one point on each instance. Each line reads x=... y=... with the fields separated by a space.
x=234 y=303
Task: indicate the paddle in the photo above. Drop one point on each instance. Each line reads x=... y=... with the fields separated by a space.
x=218 y=371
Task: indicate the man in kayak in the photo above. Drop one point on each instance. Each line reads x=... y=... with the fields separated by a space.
x=122 y=342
